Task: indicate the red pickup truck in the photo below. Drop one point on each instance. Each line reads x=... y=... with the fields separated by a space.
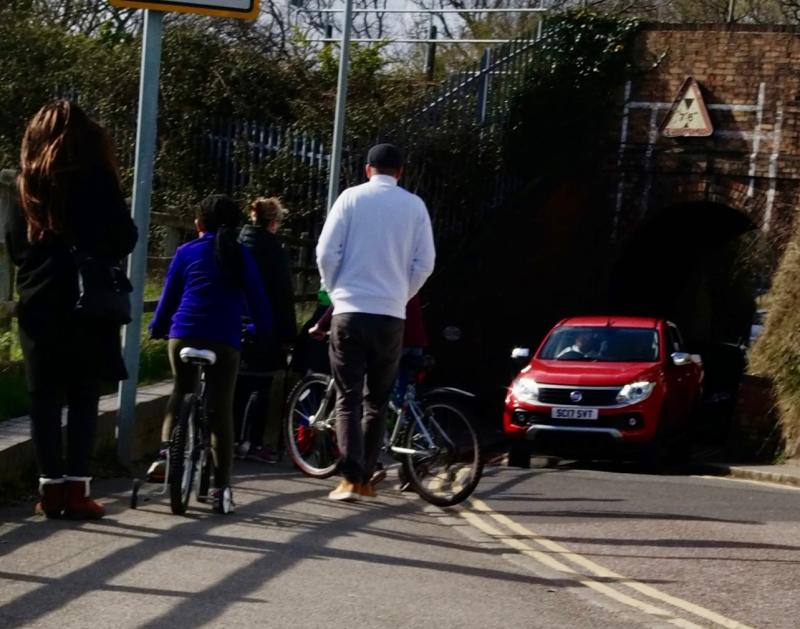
x=605 y=387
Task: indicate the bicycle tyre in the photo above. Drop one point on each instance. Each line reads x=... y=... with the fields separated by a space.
x=181 y=455
x=313 y=451
x=458 y=416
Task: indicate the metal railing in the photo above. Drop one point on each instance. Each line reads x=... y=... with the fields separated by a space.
x=251 y=156
x=177 y=231
x=488 y=83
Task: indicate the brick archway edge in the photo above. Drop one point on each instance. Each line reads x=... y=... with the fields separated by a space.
x=732 y=194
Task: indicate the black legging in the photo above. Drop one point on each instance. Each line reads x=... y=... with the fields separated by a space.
x=46 y=408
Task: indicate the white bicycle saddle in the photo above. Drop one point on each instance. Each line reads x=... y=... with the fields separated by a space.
x=194 y=355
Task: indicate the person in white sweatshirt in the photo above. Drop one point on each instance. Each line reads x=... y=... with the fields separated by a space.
x=375 y=253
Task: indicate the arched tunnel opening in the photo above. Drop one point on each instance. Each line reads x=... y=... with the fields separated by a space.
x=702 y=266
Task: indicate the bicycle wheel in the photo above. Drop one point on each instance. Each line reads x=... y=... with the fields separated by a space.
x=447 y=465
x=311 y=435
x=204 y=475
x=181 y=456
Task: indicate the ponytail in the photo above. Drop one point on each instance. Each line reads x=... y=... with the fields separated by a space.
x=228 y=255
x=219 y=214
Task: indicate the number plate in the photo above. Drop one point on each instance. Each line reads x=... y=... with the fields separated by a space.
x=574 y=413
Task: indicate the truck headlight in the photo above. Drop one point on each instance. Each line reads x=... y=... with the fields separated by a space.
x=635 y=392
x=525 y=390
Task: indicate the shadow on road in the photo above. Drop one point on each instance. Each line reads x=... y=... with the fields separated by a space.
x=270 y=511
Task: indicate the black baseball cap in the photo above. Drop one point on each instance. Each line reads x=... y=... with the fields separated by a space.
x=385 y=156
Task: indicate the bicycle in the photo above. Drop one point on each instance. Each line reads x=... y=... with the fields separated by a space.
x=189 y=453
x=432 y=437
x=253 y=370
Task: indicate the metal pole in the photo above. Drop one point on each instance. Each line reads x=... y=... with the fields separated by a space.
x=540 y=25
x=142 y=189
x=430 y=61
x=341 y=104
x=731 y=10
x=483 y=85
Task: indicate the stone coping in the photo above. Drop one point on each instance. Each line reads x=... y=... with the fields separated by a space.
x=16 y=448
x=782 y=474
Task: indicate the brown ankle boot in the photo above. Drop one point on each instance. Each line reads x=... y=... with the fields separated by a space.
x=78 y=505
x=52 y=492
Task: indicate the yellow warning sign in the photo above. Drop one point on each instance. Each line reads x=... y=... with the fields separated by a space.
x=242 y=9
x=688 y=116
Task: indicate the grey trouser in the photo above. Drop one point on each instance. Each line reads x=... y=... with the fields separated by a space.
x=363 y=347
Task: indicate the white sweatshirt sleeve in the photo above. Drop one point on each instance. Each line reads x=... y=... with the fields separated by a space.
x=330 y=247
x=424 y=253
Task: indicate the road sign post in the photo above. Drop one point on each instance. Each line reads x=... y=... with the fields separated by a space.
x=142 y=190
x=143 y=178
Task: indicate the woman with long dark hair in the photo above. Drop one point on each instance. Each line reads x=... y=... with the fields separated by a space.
x=70 y=206
x=208 y=284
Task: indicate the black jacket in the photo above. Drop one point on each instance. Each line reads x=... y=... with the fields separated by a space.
x=55 y=342
x=274 y=268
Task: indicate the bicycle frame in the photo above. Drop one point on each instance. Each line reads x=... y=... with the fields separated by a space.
x=323 y=418
x=409 y=412
x=201 y=449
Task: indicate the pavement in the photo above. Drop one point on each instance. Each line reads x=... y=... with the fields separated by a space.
x=782 y=474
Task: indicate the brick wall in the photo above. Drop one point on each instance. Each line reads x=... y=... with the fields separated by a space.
x=750 y=79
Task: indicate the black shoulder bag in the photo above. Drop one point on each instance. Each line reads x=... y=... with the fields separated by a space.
x=104 y=290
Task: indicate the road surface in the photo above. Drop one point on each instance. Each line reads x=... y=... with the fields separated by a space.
x=566 y=547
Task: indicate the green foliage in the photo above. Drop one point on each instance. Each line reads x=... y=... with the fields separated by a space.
x=41 y=61
x=378 y=95
x=560 y=116
x=10 y=349
x=14 y=399
x=210 y=70
x=154 y=362
x=776 y=353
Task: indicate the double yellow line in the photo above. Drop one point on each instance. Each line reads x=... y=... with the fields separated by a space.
x=543 y=550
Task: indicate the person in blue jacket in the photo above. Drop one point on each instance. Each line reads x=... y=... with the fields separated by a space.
x=208 y=285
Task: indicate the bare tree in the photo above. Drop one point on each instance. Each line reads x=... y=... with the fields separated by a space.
x=790 y=10
x=314 y=18
x=86 y=16
x=715 y=11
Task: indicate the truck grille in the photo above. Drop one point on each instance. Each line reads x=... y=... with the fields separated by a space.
x=589 y=397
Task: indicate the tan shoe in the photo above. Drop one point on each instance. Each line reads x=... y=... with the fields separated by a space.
x=345 y=491
x=367 y=490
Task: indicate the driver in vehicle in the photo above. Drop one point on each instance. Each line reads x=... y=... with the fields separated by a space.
x=579 y=350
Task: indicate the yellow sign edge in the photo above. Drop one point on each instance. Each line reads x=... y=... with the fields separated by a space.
x=157 y=5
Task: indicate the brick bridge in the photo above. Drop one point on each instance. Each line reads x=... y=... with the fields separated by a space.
x=750 y=79
x=697 y=213
x=690 y=228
